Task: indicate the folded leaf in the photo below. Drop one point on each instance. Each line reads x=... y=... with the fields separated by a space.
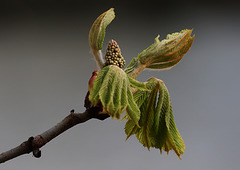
x=168 y=52
x=132 y=65
x=136 y=84
x=97 y=31
x=157 y=126
x=132 y=108
x=173 y=58
x=162 y=54
x=113 y=88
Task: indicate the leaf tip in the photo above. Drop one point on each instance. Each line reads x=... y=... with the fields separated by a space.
x=127 y=138
x=157 y=39
x=160 y=150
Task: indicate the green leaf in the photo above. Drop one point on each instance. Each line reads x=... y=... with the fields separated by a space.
x=157 y=126
x=162 y=54
x=130 y=128
x=94 y=97
x=97 y=31
x=132 y=65
x=140 y=97
x=132 y=108
x=165 y=51
x=172 y=56
x=136 y=84
x=112 y=88
x=173 y=135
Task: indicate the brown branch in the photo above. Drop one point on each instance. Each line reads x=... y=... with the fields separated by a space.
x=33 y=144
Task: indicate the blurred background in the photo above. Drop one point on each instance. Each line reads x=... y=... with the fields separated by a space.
x=45 y=65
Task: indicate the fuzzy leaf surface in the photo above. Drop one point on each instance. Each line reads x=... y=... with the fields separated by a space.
x=98 y=29
x=113 y=88
x=157 y=126
x=168 y=52
x=162 y=54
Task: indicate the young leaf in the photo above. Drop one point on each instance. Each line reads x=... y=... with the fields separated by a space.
x=113 y=88
x=158 y=128
x=132 y=108
x=97 y=31
x=167 y=51
x=132 y=65
x=173 y=56
x=97 y=35
x=162 y=54
x=134 y=68
x=136 y=84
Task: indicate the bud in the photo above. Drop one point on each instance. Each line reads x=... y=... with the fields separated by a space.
x=91 y=80
x=113 y=55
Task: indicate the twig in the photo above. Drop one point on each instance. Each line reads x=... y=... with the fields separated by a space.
x=33 y=144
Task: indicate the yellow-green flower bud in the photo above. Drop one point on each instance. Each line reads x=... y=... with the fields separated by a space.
x=113 y=55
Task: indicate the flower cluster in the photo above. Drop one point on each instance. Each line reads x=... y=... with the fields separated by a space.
x=113 y=55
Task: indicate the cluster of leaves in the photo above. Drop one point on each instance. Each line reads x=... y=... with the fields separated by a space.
x=112 y=88
x=157 y=126
x=148 y=107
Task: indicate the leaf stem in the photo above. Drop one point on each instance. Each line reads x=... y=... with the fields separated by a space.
x=98 y=58
x=138 y=68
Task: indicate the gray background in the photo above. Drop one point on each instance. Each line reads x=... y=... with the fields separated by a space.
x=45 y=63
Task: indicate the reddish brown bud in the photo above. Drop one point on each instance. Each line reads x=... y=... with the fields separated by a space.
x=91 y=80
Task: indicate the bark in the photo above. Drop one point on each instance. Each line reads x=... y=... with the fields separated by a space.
x=33 y=144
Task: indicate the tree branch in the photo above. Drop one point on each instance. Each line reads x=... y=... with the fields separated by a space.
x=33 y=144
